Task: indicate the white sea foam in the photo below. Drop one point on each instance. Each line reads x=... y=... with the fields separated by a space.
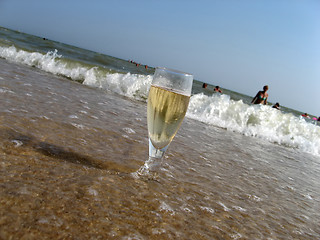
x=225 y=208
x=165 y=207
x=80 y=126
x=73 y=116
x=5 y=90
x=219 y=110
x=239 y=208
x=130 y=85
x=129 y=130
x=207 y=209
x=17 y=143
x=92 y=192
x=256 y=120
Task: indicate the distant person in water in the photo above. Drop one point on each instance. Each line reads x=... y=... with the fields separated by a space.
x=277 y=106
x=306 y=115
x=217 y=89
x=261 y=97
x=204 y=85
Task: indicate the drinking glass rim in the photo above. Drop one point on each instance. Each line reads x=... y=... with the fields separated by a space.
x=174 y=71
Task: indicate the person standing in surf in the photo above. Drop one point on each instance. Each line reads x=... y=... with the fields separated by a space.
x=261 y=97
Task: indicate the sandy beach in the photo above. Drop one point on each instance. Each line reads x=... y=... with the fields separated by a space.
x=68 y=150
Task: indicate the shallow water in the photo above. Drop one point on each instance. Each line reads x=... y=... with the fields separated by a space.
x=67 y=153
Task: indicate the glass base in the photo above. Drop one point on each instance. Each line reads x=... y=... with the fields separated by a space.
x=151 y=167
x=156 y=153
x=149 y=170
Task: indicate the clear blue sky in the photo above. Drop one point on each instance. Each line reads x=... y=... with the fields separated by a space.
x=240 y=45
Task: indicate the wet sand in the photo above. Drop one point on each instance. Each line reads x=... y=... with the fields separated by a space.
x=67 y=152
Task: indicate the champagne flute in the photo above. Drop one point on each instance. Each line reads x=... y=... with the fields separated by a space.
x=168 y=102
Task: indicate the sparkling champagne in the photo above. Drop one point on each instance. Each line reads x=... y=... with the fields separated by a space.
x=166 y=110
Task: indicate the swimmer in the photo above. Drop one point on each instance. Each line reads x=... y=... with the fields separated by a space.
x=276 y=106
x=217 y=89
x=306 y=115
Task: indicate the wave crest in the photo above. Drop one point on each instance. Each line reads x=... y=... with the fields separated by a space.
x=260 y=121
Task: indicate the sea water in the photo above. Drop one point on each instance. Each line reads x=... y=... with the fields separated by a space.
x=73 y=129
x=230 y=110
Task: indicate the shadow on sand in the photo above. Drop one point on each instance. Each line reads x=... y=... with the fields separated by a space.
x=49 y=149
